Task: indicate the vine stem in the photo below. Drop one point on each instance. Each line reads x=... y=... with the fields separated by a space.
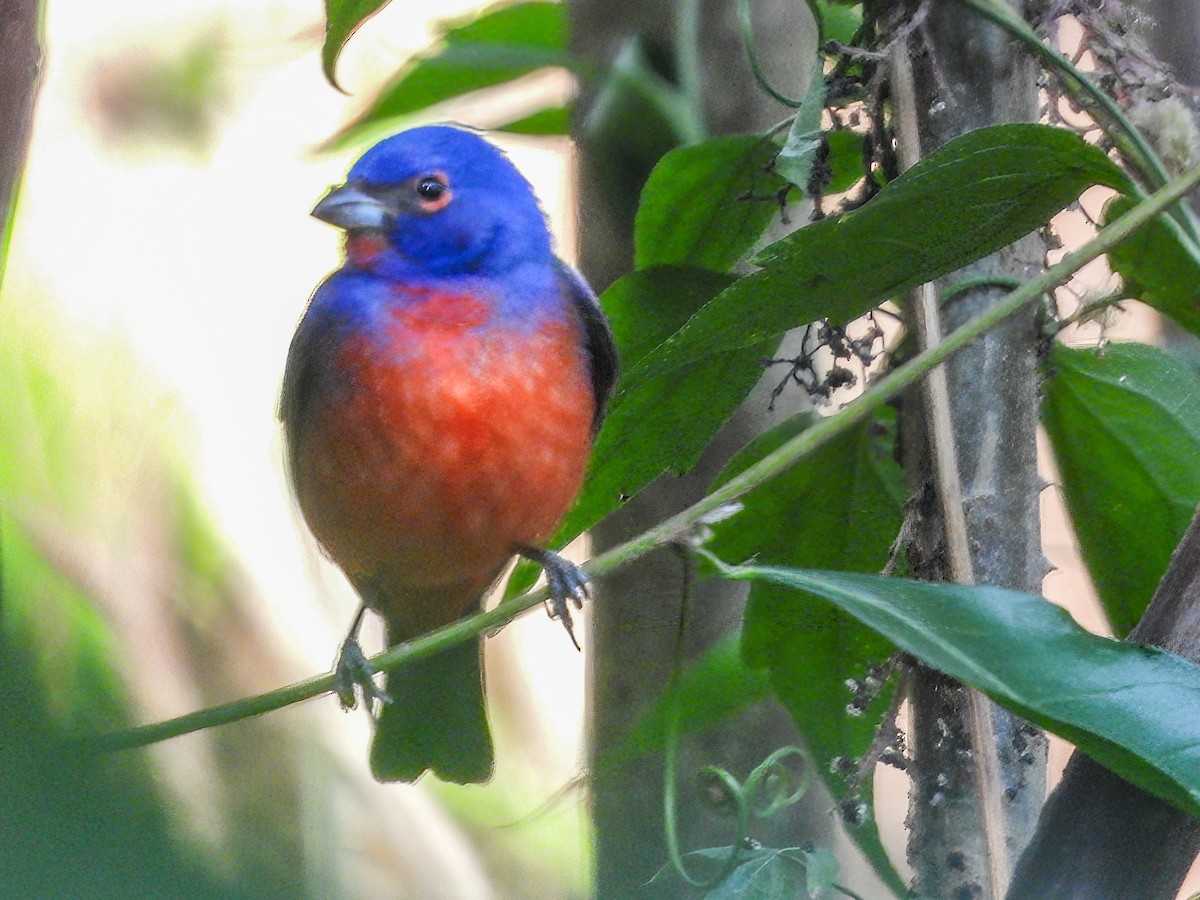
x=687 y=55
x=686 y=521
x=746 y=25
x=671 y=754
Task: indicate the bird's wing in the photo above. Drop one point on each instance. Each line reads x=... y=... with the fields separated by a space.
x=598 y=337
x=297 y=373
x=307 y=347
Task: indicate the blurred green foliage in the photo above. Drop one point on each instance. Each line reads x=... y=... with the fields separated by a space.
x=72 y=823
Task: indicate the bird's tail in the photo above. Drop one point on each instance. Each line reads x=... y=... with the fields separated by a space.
x=436 y=719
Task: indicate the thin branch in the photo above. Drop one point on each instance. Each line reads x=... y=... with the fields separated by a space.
x=746 y=25
x=686 y=521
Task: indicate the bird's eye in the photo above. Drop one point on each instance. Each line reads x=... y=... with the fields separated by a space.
x=431 y=188
x=433 y=192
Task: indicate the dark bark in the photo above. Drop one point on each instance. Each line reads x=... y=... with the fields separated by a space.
x=1101 y=838
x=968 y=74
x=1171 y=29
x=20 y=74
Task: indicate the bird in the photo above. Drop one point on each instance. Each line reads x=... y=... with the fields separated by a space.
x=440 y=399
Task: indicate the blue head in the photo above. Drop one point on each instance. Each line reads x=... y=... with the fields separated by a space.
x=445 y=201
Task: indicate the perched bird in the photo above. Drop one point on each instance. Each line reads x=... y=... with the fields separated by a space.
x=439 y=403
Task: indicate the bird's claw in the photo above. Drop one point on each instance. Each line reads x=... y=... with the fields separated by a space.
x=567 y=584
x=354 y=674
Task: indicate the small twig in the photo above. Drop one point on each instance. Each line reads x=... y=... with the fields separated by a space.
x=897 y=38
x=1007 y=282
x=687 y=56
x=575 y=785
x=1087 y=312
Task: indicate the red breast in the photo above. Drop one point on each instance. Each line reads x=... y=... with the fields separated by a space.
x=451 y=441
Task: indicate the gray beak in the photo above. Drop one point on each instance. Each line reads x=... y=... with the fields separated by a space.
x=349 y=208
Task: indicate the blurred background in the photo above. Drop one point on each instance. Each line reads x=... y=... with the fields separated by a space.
x=161 y=257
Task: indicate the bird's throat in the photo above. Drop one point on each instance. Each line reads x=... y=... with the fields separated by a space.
x=363 y=249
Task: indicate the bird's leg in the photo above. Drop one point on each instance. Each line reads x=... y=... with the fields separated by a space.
x=567 y=582
x=353 y=672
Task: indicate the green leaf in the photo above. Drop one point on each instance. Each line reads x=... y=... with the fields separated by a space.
x=839 y=22
x=845 y=160
x=795 y=161
x=842 y=507
x=342 y=19
x=662 y=424
x=503 y=43
x=1157 y=268
x=764 y=874
x=976 y=194
x=1133 y=709
x=1124 y=423
x=646 y=307
x=706 y=204
x=820 y=870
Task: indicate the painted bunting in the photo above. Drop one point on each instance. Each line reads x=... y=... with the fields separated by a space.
x=439 y=403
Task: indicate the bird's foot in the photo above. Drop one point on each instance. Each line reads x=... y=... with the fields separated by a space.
x=567 y=583
x=353 y=675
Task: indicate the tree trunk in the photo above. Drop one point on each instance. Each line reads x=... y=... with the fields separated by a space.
x=977 y=770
